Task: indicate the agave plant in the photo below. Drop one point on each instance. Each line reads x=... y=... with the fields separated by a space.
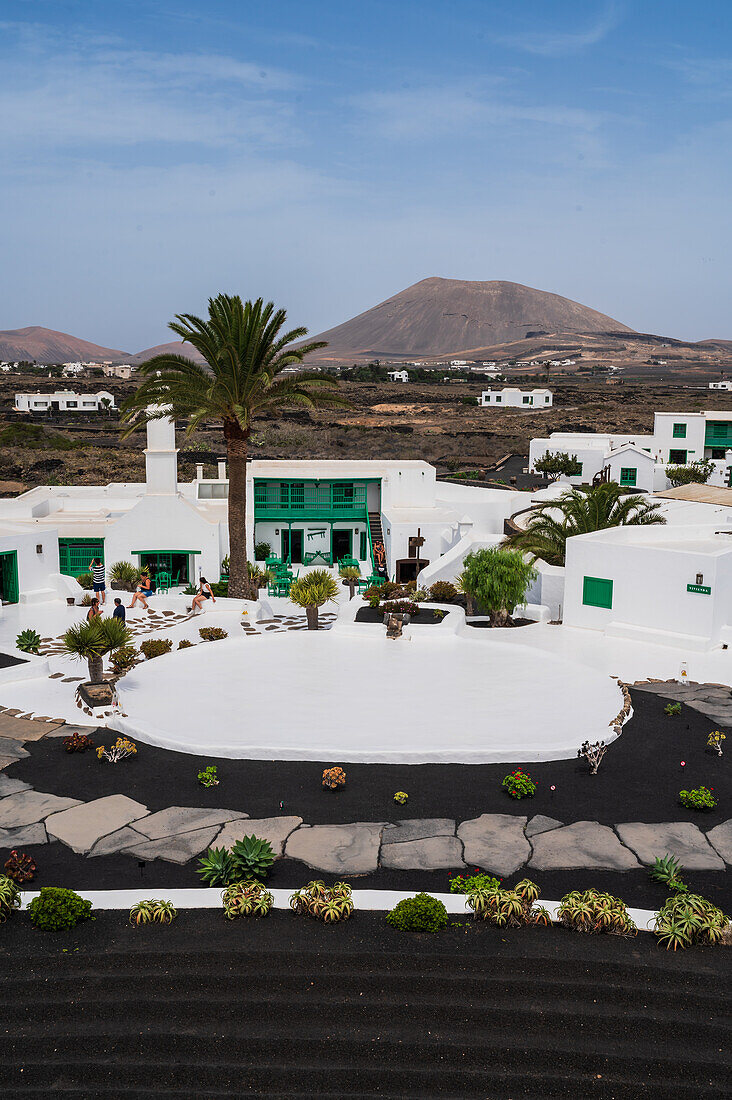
x=593 y=911
x=216 y=867
x=9 y=897
x=246 y=899
x=153 y=911
x=668 y=871
x=252 y=857
x=329 y=904
x=688 y=919
x=506 y=908
x=28 y=641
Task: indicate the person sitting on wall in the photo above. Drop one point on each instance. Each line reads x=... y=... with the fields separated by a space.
x=204 y=593
x=94 y=611
x=143 y=590
x=380 y=559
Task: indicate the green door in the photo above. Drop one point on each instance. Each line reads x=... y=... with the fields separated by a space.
x=9 y=589
x=74 y=555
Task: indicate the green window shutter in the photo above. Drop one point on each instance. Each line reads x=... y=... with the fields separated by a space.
x=679 y=431
x=628 y=475
x=720 y=430
x=597 y=592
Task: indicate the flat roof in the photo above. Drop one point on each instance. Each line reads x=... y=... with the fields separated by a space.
x=701 y=494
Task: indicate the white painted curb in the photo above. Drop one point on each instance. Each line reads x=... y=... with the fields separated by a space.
x=364 y=900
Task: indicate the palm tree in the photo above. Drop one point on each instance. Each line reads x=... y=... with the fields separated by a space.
x=245 y=353
x=90 y=641
x=351 y=574
x=312 y=591
x=576 y=512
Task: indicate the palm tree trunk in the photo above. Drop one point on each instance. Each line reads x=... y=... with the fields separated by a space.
x=236 y=450
x=311 y=614
x=96 y=669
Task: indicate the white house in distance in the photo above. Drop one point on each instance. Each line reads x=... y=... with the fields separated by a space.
x=69 y=370
x=720 y=385
x=398 y=375
x=64 y=401
x=510 y=397
x=122 y=371
x=639 y=461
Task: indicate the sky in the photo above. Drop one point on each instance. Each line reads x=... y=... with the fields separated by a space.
x=326 y=155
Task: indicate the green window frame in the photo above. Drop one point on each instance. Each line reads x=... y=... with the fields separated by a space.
x=362 y=547
x=719 y=430
x=677 y=458
x=628 y=475
x=527 y=400
x=597 y=592
x=9 y=587
x=679 y=431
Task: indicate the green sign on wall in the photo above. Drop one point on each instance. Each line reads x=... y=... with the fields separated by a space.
x=702 y=589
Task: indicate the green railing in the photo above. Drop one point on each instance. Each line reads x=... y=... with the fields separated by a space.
x=309 y=500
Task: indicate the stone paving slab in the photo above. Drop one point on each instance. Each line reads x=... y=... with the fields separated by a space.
x=117 y=842
x=433 y=853
x=495 y=842
x=721 y=839
x=12 y=750
x=681 y=839
x=184 y=819
x=176 y=849
x=67 y=729
x=542 y=824
x=81 y=827
x=341 y=849
x=418 y=829
x=24 y=729
x=586 y=844
x=26 y=835
x=25 y=807
x=12 y=786
x=274 y=829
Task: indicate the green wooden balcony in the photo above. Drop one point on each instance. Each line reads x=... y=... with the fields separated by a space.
x=309 y=500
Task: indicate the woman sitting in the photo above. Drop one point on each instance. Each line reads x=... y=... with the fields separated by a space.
x=94 y=611
x=143 y=590
x=204 y=593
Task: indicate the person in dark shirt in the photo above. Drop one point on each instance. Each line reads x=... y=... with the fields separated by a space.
x=119 y=610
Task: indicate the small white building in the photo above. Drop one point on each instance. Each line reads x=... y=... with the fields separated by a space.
x=513 y=398
x=64 y=401
x=122 y=371
x=398 y=375
x=720 y=385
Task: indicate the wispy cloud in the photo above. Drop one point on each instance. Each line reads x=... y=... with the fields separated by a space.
x=555 y=43
x=711 y=76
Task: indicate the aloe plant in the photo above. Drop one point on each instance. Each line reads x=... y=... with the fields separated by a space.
x=216 y=867
x=246 y=899
x=28 y=641
x=9 y=897
x=153 y=911
x=252 y=857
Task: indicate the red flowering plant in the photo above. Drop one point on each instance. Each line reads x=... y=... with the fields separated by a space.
x=519 y=784
x=467 y=884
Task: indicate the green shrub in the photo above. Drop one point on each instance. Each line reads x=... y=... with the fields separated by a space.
x=190 y=590
x=443 y=592
x=220 y=588
x=208 y=776
x=468 y=884
x=123 y=659
x=519 y=784
x=155 y=647
x=125 y=573
x=225 y=566
x=212 y=633
x=28 y=641
x=252 y=857
x=85 y=580
x=216 y=868
x=86 y=600
x=9 y=897
x=421 y=913
x=56 y=909
x=689 y=919
x=262 y=551
x=701 y=798
x=672 y=709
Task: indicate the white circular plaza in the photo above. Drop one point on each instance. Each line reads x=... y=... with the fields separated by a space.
x=331 y=696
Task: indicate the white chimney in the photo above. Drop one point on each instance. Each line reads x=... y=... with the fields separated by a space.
x=199 y=471
x=161 y=458
x=222 y=471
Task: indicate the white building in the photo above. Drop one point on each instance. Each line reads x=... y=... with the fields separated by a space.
x=677 y=439
x=458 y=362
x=513 y=398
x=71 y=369
x=398 y=375
x=64 y=401
x=121 y=370
x=720 y=385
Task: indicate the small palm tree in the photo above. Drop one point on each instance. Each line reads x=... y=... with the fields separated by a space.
x=577 y=512
x=90 y=641
x=351 y=575
x=312 y=591
x=246 y=352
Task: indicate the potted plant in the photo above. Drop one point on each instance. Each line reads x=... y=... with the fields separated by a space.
x=90 y=641
x=312 y=591
x=350 y=575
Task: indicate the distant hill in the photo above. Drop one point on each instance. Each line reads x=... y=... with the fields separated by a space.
x=44 y=345
x=175 y=347
x=441 y=316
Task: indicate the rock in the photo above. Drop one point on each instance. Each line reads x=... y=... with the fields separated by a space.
x=721 y=838
x=81 y=827
x=176 y=849
x=26 y=835
x=542 y=824
x=25 y=807
x=583 y=844
x=678 y=838
x=341 y=849
x=495 y=842
x=433 y=853
x=117 y=842
x=274 y=829
x=184 y=819
x=12 y=786
x=418 y=829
